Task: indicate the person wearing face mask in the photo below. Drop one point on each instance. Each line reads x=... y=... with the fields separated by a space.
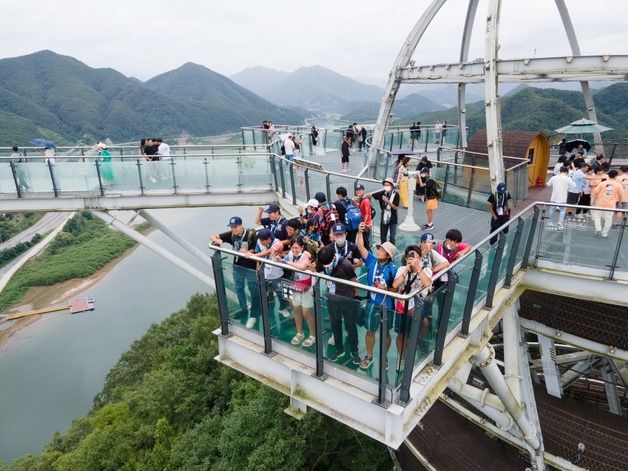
x=388 y=202
x=342 y=247
x=341 y=304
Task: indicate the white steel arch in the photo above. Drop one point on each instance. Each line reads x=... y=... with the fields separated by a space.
x=491 y=70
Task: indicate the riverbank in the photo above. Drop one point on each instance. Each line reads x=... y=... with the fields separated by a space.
x=42 y=295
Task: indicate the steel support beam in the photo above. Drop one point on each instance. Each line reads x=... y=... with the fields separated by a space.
x=132 y=201
x=577 y=370
x=491 y=97
x=579 y=342
x=551 y=374
x=538 y=69
x=464 y=57
x=402 y=60
x=510 y=325
x=490 y=370
x=158 y=249
x=575 y=50
x=187 y=245
x=610 y=386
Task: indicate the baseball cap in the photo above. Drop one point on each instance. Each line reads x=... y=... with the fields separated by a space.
x=501 y=188
x=313 y=203
x=427 y=236
x=235 y=221
x=388 y=180
x=389 y=248
x=264 y=234
x=339 y=229
x=424 y=170
x=359 y=186
x=320 y=197
x=271 y=208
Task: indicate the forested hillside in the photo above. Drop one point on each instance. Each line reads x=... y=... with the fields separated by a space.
x=167 y=404
x=49 y=95
x=546 y=109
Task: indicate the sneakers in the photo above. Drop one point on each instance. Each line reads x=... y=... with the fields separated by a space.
x=366 y=363
x=355 y=358
x=604 y=235
x=560 y=227
x=337 y=355
x=284 y=312
x=251 y=322
x=428 y=227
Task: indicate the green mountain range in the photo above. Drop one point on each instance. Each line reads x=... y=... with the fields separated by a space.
x=403 y=108
x=58 y=97
x=313 y=88
x=544 y=109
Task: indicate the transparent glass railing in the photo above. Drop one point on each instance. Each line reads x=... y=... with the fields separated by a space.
x=94 y=176
x=471 y=284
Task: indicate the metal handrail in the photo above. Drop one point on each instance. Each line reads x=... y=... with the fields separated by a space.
x=116 y=158
x=353 y=284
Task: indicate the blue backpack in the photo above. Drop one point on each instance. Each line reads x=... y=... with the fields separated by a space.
x=353 y=216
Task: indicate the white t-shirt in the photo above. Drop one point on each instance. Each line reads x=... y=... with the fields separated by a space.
x=289 y=146
x=560 y=186
x=164 y=150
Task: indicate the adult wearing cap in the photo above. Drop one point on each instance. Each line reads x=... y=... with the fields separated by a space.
x=243 y=241
x=381 y=272
x=388 y=203
x=341 y=303
x=364 y=203
x=272 y=250
x=344 y=248
x=275 y=222
x=311 y=211
x=499 y=209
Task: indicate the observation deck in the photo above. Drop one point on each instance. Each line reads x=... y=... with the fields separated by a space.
x=387 y=400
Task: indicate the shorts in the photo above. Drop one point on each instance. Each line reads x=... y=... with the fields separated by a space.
x=623 y=205
x=432 y=203
x=373 y=317
x=345 y=159
x=303 y=298
x=573 y=198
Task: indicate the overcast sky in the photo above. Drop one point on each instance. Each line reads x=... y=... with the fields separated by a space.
x=143 y=38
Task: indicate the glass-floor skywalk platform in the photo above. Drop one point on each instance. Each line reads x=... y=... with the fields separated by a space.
x=387 y=399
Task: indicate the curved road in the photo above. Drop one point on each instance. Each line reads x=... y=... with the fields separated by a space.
x=44 y=225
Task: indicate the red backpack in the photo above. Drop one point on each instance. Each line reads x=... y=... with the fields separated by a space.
x=330 y=217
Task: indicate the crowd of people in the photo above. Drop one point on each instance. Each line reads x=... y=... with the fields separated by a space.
x=582 y=181
x=335 y=238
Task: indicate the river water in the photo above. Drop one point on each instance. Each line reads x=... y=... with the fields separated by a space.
x=50 y=371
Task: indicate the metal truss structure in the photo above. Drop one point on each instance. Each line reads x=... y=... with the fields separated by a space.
x=493 y=70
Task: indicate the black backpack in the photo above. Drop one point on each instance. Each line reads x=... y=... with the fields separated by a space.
x=282 y=151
